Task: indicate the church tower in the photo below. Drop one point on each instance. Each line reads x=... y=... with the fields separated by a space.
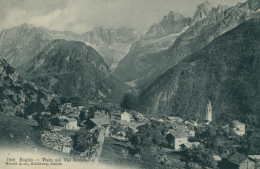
x=209 y=111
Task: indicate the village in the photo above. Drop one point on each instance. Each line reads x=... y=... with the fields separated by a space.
x=116 y=124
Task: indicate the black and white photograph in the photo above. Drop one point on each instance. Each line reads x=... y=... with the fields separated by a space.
x=134 y=84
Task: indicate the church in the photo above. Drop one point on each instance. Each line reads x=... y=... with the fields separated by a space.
x=209 y=111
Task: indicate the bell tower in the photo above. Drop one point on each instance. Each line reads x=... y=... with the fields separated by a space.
x=209 y=111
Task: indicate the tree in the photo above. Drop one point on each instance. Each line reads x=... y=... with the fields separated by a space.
x=53 y=107
x=95 y=136
x=91 y=112
x=129 y=102
x=198 y=154
x=147 y=136
x=209 y=136
x=231 y=124
x=142 y=140
x=34 y=107
x=82 y=115
x=43 y=123
x=82 y=140
x=55 y=121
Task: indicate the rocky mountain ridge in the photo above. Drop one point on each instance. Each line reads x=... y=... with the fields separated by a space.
x=148 y=66
x=21 y=43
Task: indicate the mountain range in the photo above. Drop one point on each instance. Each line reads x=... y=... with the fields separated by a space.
x=226 y=72
x=73 y=69
x=176 y=66
x=141 y=67
x=21 y=43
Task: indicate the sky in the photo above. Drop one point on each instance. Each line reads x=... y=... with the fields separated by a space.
x=83 y=15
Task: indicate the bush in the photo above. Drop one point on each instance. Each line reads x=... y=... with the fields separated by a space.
x=82 y=140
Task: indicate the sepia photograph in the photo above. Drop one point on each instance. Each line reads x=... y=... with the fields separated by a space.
x=134 y=84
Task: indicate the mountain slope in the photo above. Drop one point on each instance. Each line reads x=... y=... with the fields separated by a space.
x=226 y=72
x=18 y=96
x=149 y=66
x=71 y=68
x=21 y=43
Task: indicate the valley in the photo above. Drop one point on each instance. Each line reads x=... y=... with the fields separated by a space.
x=182 y=92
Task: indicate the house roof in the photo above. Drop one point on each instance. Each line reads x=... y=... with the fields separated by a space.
x=123 y=122
x=125 y=113
x=237 y=123
x=257 y=157
x=161 y=120
x=83 y=122
x=63 y=123
x=177 y=134
x=100 y=121
x=188 y=122
x=140 y=115
x=116 y=113
x=217 y=157
x=63 y=117
x=173 y=118
x=73 y=115
x=135 y=125
x=226 y=155
x=189 y=144
x=70 y=119
x=237 y=158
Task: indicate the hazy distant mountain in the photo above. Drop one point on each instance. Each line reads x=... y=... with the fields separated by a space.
x=101 y=36
x=18 y=96
x=171 y=23
x=148 y=66
x=21 y=43
x=160 y=36
x=226 y=72
x=71 y=68
x=111 y=44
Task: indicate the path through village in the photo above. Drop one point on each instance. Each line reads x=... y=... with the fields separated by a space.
x=101 y=138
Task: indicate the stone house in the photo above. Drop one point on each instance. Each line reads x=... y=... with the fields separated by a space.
x=68 y=123
x=239 y=128
x=257 y=159
x=80 y=108
x=238 y=161
x=174 y=119
x=126 y=116
x=183 y=128
x=175 y=138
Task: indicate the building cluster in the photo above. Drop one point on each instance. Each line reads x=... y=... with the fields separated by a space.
x=177 y=135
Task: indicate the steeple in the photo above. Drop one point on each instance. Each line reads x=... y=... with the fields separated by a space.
x=209 y=111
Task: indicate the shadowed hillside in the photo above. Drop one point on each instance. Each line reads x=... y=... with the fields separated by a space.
x=225 y=72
